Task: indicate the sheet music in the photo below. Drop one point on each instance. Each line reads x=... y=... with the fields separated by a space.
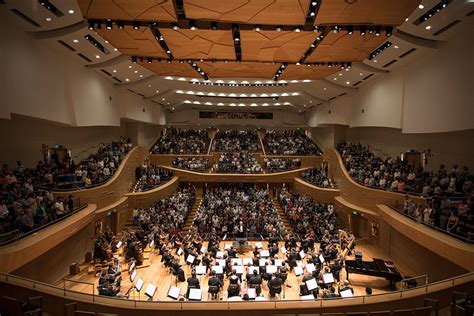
x=227 y=246
x=258 y=245
x=201 y=270
x=298 y=270
x=174 y=292
x=179 y=252
x=252 y=269
x=221 y=262
x=311 y=284
x=309 y=297
x=264 y=253
x=139 y=284
x=302 y=254
x=328 y=278
x=283 y=250
x=195 y=294
x=279 y=262
x=246 y=261
x=190 y=259
x=150 y=290
x=321 y=258
x=203 y=249
x=261 y=262
x=132 y=266
x=346 y=293
x=220 y=254
x=236 y=260
x=218 y=269
x=271 y=269
x=133 y=275
x=238 y=269
x=310 y=267
x=118 y=244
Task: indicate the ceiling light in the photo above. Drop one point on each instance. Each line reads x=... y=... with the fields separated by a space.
x=97 y=56
x=126 y=79
x=428 y=27
x=163 y=99
x=389 y=31
x=175 y=26
x=136 y=25
x=108 y=24
x=421 y=7
x=236 y=39
x=149 y=60
x=214 y=26
x=340 y=74
x=335 y=78
x=350 y=30
x=348 y=82
x=157 y=91
x=335 y=29
x=141 y=76
x=361 y=74
x=377 y=31
x=396 y=46
x=375 y=61
x=114 y=71
x=192 y=25
x=121 y=24
x=324 y=89
x=278 y=29
x=76 y=41
x=134 y=60
x=115 y=49
x=297 y=29
x=48 y=19
x=136 y=71
x=71 y=11
x=363 y=30
x=258 y=28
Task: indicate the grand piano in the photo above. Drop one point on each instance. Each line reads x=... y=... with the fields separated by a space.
x=377 y=267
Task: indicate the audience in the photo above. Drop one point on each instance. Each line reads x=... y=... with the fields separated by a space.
x=236 y=141
x=281 y=164
x=185 y=141
x=150 y=176
x=234 y=209
x=318 y=177
x=448 y=192
x=293 y=142
x=192 y=163
x=308 y=217
x=238 y=162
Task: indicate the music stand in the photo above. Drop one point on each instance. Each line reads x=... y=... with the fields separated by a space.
x=150 y=291
x=311 y=284
x=203 y=249
x=261 y=262
x=238 y=269
x=195 y=294
x=132 y=266
x=279 y=262
x=302 y=254
x=220 y=254
x=271 y=269
x=283 y=250
x=179 y=252
x=234 y=260
x=321 y=258
x=264 y=253
x=258 y=245
x=252 y=269
x=221 y=262
x=173 y=292
x=227 y=246
x=133 y=275
x=252 y=293
x=118 y=244
x=201 y=270
x=139 y=285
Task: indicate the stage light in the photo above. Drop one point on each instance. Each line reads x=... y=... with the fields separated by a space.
x=297 y=29
x=377 y=31
x=108 y=24
x=214 y=26
x=389 y=30
x=363 y=30
x=175 y=26
x=149 y=60
x=258 y=28
x=192 y=25
x=91 y=25
x=134 y=60
x=121 y=25
x=350 y=30
x=136 y=25
x=335 y=29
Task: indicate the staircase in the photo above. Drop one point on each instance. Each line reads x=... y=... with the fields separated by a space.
x=282 y=216
x=192 y=215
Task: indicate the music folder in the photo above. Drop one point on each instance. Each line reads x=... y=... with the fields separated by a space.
x=302 y=254
x=174 y=292
x=190 y=259
x=246 y=261
x=264 y=253
x=321 y=258
x=220 y=254
x=258 y=245
x=328 y=278
x=139 y=284
x=283 y=250
x=179 y=252
x=201 y=270
x=195 y=294
x=236 y=260
x=311 y=284
x=279 y=262
x=346 y=293
x=218 y=269
x=150 y=290
x=298 y=270
x=133 y=275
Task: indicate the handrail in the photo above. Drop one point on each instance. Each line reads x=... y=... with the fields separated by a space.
x=170 y=305
x=34 y=231
x=444 y=231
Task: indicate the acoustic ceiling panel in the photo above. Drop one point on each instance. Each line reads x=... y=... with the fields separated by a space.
x=205 y=44
x=275 y=46
x=273 y=12
x=176 y=69
x=301 y=72
x=344 y=47
x=239 y=70
x=143 y=10
x=129 y=41
x=388 y=12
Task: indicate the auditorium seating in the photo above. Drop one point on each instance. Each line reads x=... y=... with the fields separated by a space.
x=290 y=142
x=13 y=307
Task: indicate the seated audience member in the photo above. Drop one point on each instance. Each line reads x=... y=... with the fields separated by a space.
x=317 y=177
x=187 y=141
x=281 y=164
x=239 y=162
x=192 y=163
x=292 y=143
x=150 y=176
x=236 y=141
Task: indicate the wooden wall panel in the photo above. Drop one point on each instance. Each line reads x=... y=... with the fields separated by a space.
x=114 y=189
x=29 y=248
x=146 y=199
x=143 y=10
x=275 y=46
x=318 y=194
x=365 y=12
x=286 y=12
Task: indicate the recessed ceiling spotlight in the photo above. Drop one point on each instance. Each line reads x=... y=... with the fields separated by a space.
x=340 y=74
x=71 y=11
x=130 y=67
x=48 y=19
x=428 y=27
x=76 y=41
x=136 y=71
x=396 y=47
x=163 y=99
x=421 y=7
x=114 y=71
x=258 y=28
x=97 y=56
x=149 y=86
x=278 y=29
x=157 y=91
x=361 y=74
x=126 y=79
x=297 y=29
x=406 y=20
x=348 y=82
x=375 y=61
x=141 y=76
x=335 y=78
x=325 y=89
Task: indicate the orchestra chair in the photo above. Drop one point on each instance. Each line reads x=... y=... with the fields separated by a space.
x=13 y=307
x=433 y=303
x=458 y=303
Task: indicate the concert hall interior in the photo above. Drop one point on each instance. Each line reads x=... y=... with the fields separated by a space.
x=257 y=157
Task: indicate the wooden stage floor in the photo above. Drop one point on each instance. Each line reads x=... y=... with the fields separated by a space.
x=158 y=275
